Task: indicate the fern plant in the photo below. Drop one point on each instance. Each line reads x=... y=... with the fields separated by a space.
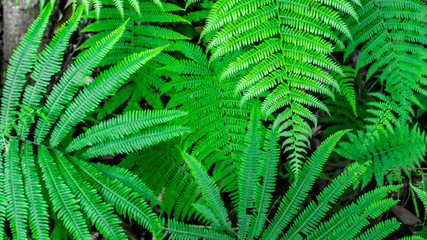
x=256 y=182
x=40 y=167
x=288 y=45
x=391 y=35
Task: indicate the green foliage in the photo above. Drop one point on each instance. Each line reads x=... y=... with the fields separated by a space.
x=38 y=173
x=390 y=34
x=293 y=40
x=228 y=136
x=211 y=104
x=306 y=223
x=391 y=152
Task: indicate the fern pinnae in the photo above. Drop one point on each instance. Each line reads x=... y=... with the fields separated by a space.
x=290 y=40
x=380 y=230
x=39 y=217
x=145 y=138
x=347 y=214
x=48 y=63
x=209 y=190
x=100 y=214
x=104 y=85
x=422 y=195
x=61 y=196
x=128 y=179
x=115 y=101
x=126 y=124
x=21 y=63
x=372 y=211
x=299 y=189
x=311 y=216
x=17 y=210
x=248 y=177
x=124 y=200
x=263 y=193
x=63 y=92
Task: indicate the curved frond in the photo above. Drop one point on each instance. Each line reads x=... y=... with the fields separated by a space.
x=106 y=84
x=47 y=64
x=21 y=63
x=63 y=92
x=17 y=209
x=62 y=197
x=292 y=41
x=125 y=201
x=392 y=37
x=126 y=124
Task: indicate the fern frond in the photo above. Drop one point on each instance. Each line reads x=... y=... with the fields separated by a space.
x=140 y=33
x=38 y=214
x=389 y=151
x=209 y=190
x=307 y=221
x=126 y=124
x=262 y=195
x=296 y=194
x=293 y=40
x=172 y=180
x=135 y=142
x=100 y=214
x=21 y=63
x=216 y=119
x=129 y=180
x=422 y=195
x=48 y=63
x=391 y=35
x=356 y=212
x=61 y=196
x=106 y=84
x=248 y=177
x=346 y=83
x=17 y=209
x=63 y=92
x=380 y=230
x=125 y=201
x=115 y=101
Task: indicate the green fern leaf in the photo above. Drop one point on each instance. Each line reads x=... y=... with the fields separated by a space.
x=100 y=214
x=126 y=124
x=248 y=177
x=129 y=180
x=38 y=214
x=209 y=190
x=263 y=193
x=104 y=85
x=21 y=63
x=62 y=93
x=62 y=197
x=47 y=65
x=125 y=201
x=307 y=221
x=135 y=142
x=391 y=35
x=17 y=210
x=293 y=40
x=181 y=231
x=289 y=205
